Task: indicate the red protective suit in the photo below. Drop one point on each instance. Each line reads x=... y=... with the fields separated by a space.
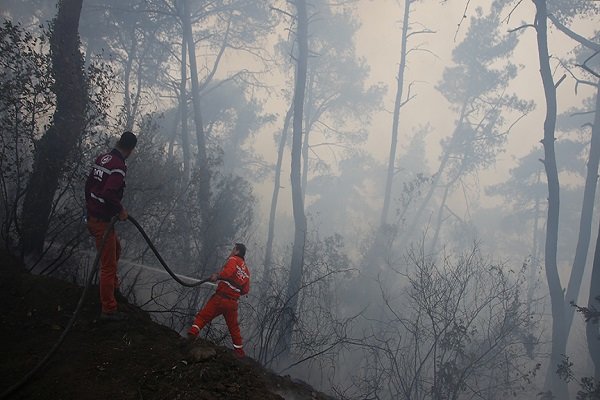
x=234 y=281
x=103 y=193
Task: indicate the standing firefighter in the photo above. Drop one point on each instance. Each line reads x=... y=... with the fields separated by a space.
x=234 y=281
x=103 y=194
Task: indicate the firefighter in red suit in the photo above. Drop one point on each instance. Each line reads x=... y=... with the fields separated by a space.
x=233 y=282
x=103 y=194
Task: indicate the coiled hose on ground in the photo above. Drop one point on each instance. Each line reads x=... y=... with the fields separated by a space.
x=14 y=388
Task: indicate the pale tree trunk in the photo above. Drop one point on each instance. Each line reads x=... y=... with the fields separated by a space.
x=131 y=54
x=173 y=137
x=585 y=222
x=589 y=190
x=276 y=186
x=439 y=221
x=307 y=128
x=396 y=118
x=379 y=247
x=87 y=58
x=183 y=113
x=440 y=218
x=559 y=337
x=181 y=214
x=295 y=277
x=593 y=329
x=534 y=250
x=207 y=242
x=200 y=137
x=67 y=126
x=138 y=91
x=436 y=180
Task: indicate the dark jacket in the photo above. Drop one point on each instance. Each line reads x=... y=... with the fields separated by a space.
x=105 y=185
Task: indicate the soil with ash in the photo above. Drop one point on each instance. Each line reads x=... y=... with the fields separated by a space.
x=134 y=359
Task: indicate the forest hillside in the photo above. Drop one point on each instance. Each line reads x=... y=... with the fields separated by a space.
x=133 y=359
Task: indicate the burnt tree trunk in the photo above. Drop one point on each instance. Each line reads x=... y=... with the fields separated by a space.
x=54 y=148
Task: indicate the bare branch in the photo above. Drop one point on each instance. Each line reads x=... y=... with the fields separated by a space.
x=462 y=19
x=507 y=19
x=424 y=31
x=521 y=27
x=218 y=59
x=423 y=50
x=407 y=100
x=562 y=78
x=582 y=113
x=578 y=38
x=282 y=11
x=578 y=81
x=588 y=69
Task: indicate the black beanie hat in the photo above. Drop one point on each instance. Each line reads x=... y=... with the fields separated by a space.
x=127 y=141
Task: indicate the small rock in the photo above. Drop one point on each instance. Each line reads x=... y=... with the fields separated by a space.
x=202 y=353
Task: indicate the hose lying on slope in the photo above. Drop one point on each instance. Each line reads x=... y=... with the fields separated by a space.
x=11 y=390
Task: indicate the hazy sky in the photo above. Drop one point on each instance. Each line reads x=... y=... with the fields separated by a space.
x=378 y=41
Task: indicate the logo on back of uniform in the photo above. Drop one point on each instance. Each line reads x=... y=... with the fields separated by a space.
x=105 y=159
x=240 y=273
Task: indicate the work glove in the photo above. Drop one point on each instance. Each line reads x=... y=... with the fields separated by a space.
x=214 y=277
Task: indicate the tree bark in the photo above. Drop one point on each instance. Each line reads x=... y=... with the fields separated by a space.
x=271 y=233
x=202 y=166
x=534 y=249
x=183 y=109
x=129 y=114
x=67 y=126
x=295 y=277
x=396 y=117
x=202 y=162
x=440 y=219
x=559 y=337
x=309 y=107
x=592 y=329
x=585 y=222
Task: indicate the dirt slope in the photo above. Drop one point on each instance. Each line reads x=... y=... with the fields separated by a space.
x=135 y=359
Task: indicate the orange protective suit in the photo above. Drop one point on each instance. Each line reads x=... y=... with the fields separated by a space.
x=233 y=282
x=108 y=260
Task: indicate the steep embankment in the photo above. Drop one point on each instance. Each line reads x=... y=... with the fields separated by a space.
x=135 y=359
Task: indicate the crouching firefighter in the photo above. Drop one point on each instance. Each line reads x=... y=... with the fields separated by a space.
x=233 y=282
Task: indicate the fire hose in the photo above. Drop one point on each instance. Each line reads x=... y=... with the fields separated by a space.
x=11 y=390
